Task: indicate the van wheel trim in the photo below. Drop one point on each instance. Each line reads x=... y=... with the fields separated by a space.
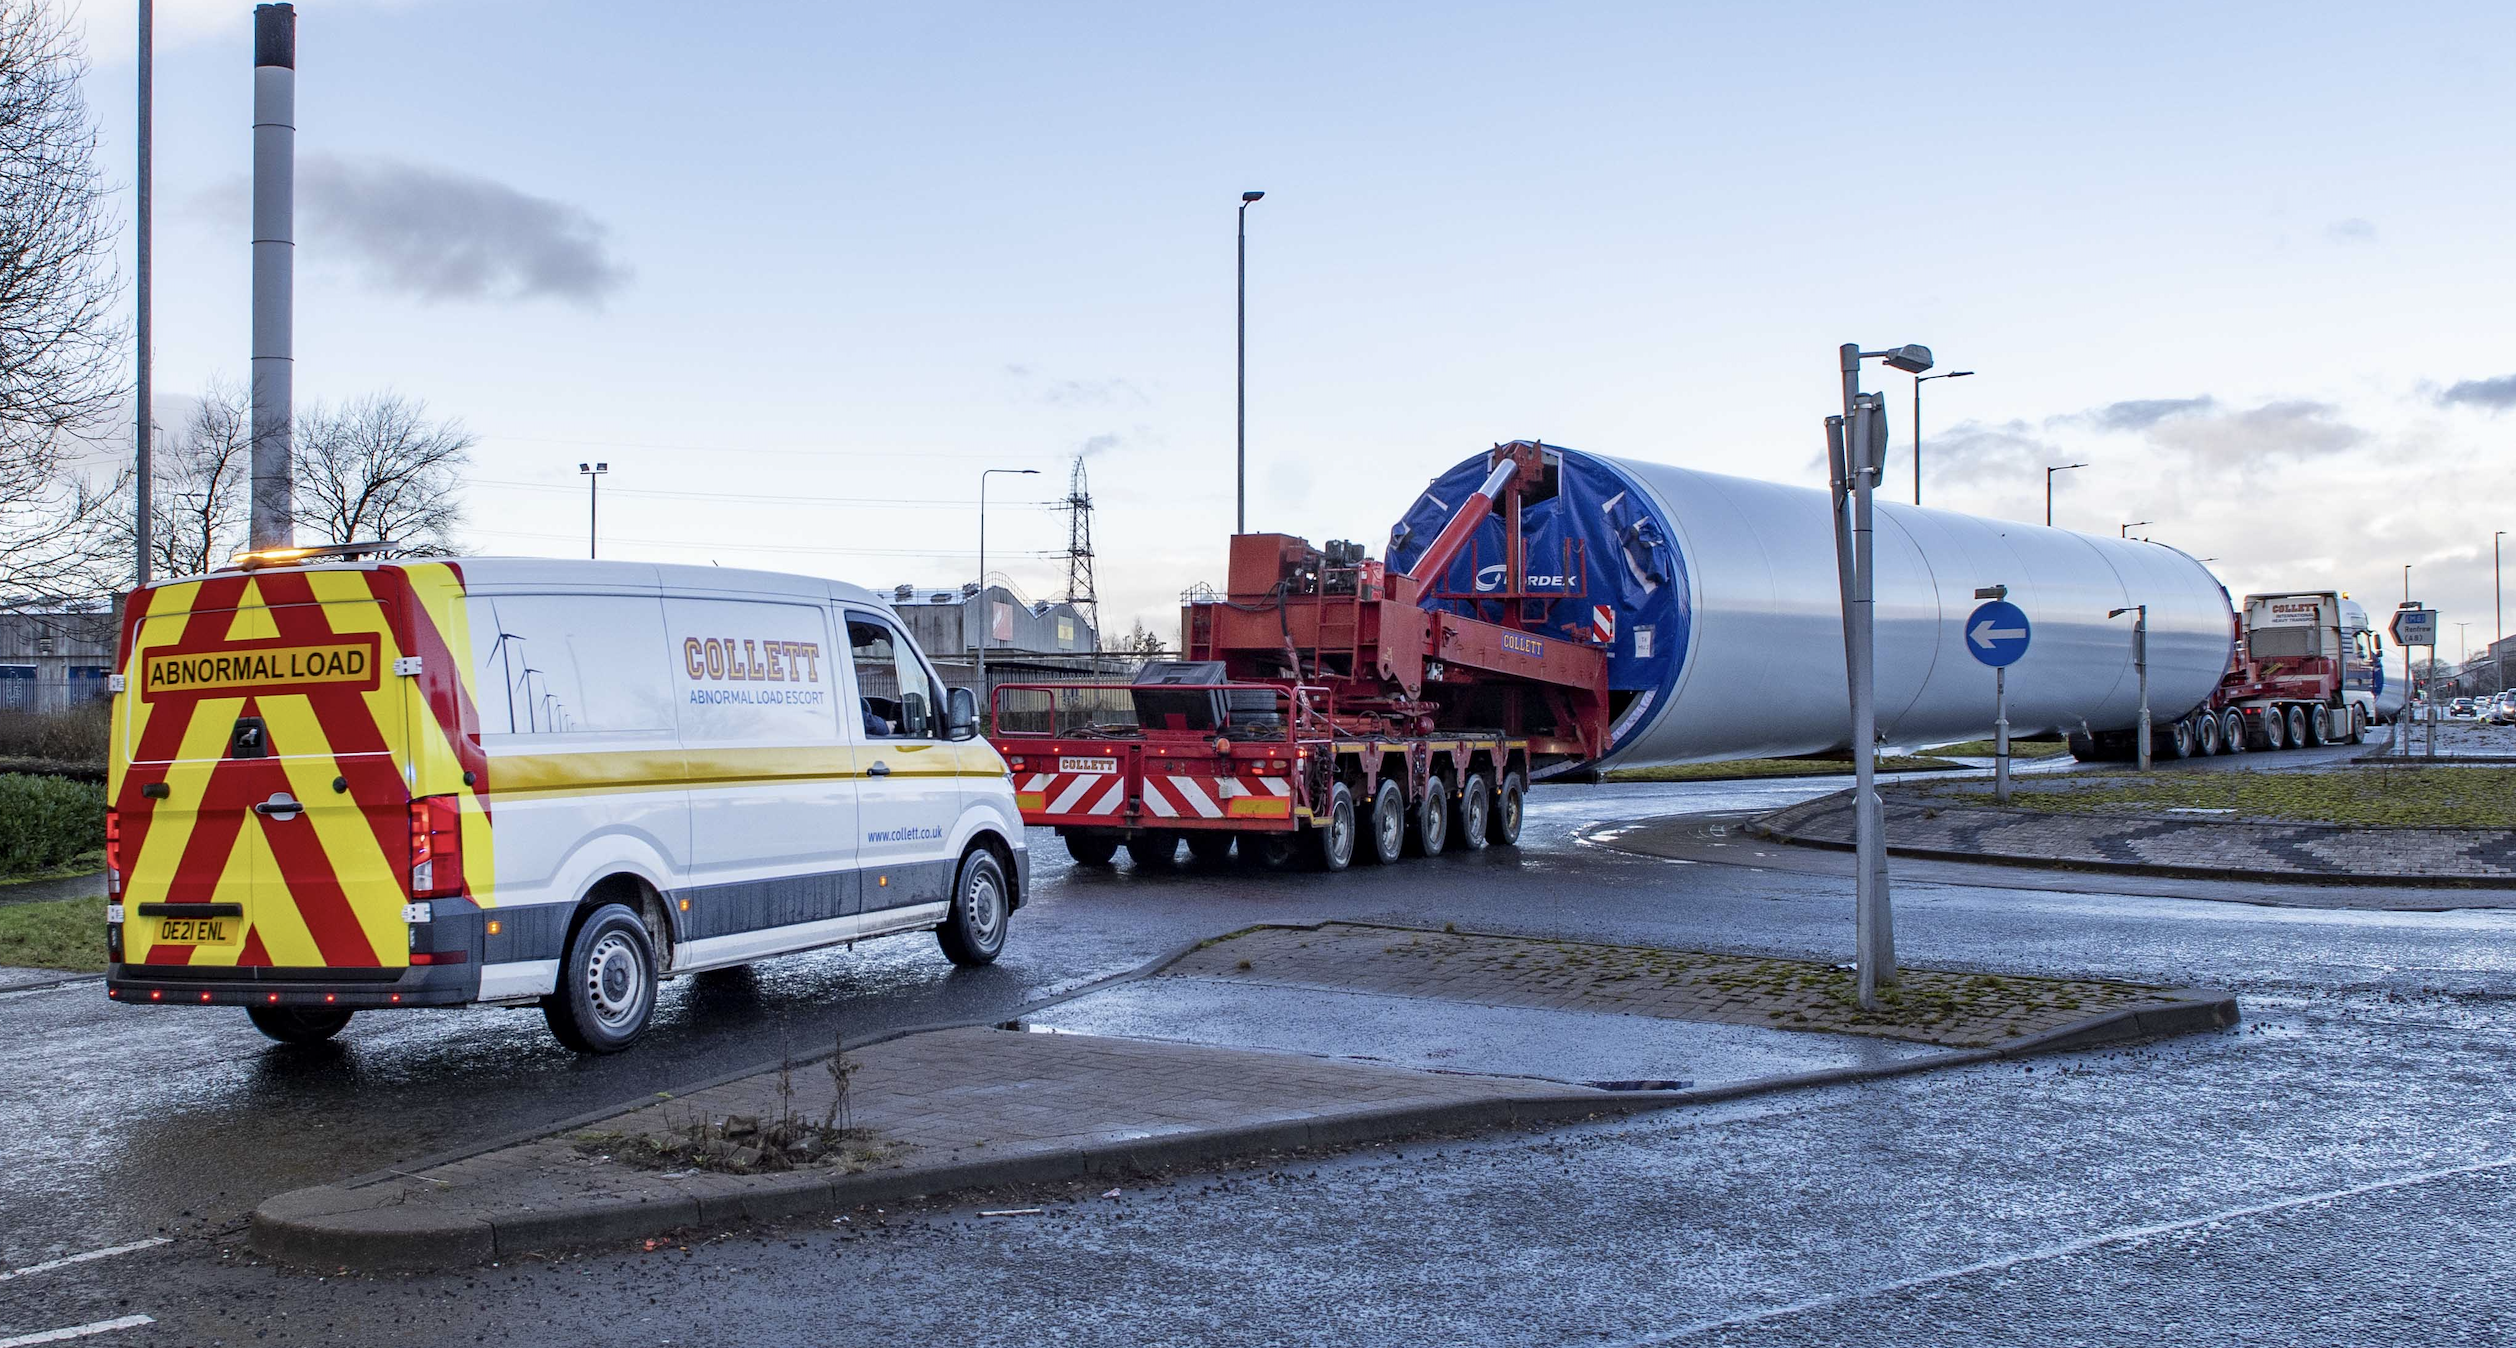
x=973 y=933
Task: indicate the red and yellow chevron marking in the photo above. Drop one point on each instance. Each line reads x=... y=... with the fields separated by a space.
x=310 y=653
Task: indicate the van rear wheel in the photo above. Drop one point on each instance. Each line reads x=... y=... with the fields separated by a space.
x=606 y=991
x=973 y=933
x=298 y=1024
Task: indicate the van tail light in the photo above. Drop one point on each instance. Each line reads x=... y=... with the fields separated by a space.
x=113 y=852
x=436 y=847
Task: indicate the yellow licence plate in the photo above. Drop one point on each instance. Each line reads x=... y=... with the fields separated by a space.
x=196 y=930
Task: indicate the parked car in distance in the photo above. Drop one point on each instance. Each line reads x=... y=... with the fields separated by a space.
x=2462 y=709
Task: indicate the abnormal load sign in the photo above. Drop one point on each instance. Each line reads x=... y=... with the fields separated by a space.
x=246 y=669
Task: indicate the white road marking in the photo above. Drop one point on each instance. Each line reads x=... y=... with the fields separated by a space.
x=2067 y=1249
x=66 y=1260
x=76 y=1331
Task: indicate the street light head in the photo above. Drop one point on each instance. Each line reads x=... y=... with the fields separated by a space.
x=1248 y=197
x=1910 y=359
x=1956 y=374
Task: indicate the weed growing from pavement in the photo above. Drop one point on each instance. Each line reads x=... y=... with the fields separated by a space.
x=2369 y=796
x=747 y=1144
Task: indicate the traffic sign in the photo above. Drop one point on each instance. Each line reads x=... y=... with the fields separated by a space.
x=1996 y=633
x=2415 y=627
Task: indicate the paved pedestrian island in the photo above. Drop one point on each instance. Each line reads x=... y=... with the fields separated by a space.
x=970 y=1107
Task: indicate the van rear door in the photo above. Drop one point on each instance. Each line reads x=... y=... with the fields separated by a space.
x=264 y=813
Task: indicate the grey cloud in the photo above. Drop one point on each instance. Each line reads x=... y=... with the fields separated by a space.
x=1973 y=447
x=2294 y=429
x=1070 y=392
x=2497 y=395
x=2140 y=414
x=1104 y=441
x=2352 y=230
x=441 y=234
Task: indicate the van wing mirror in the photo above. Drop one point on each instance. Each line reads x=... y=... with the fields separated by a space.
x=961 y=715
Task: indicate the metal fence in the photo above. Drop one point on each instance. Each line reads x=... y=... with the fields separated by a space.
x=47 y=696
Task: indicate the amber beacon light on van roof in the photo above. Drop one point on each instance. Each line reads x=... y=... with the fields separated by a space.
x=333 y=552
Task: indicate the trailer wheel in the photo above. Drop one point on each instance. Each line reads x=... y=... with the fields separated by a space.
x=2315 y=727
x=2297 y=727
x=1332 y=838
x=1275 y=851
x=2083 y=747
x=298 y=1024
x=1091 y=849
x=2232 y=732
x=2179 y=741
x=1475 y=805
x=2273 y=732
x=1211 y=849
x=1153 y=849
x=1389 y=821
x=2206 y=734
x=1428 y=826
x=1503 y=828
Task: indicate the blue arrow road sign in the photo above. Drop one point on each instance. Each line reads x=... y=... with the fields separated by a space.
x=1996 y=633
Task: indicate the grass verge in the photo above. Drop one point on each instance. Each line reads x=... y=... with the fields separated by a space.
x=64 y=934
x=1984 y=749
x=85 y=863
x=2373 y=797
x=1770 y=767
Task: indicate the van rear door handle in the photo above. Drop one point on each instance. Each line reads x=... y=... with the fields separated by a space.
x=281 y=806
x=879 y=770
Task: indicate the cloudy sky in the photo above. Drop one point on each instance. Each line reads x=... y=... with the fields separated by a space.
x=799 y=271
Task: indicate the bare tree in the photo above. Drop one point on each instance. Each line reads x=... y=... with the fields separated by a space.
x=1140 y=640
x=60 y=357
x=378 y=469
x=204 y=480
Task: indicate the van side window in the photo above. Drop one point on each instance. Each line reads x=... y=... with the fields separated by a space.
x=898 y=698
x=549 y=664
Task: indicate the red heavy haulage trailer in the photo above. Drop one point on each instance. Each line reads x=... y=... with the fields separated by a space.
x=1319 y=711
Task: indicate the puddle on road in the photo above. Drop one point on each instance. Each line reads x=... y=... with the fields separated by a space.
x=1427 y=1034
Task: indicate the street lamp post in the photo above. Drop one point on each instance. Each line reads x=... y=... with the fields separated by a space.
x=2498 y=613
x=986 y=609
x=2048 y=486
x=2140 y=663
x=593 y=501
x=1856 y=444
x=1240 y=419
x=141 y=437
x=1918 y=381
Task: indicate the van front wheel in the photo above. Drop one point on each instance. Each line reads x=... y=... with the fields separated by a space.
x=973 y=933
x=606 y=991
x=298 y=1024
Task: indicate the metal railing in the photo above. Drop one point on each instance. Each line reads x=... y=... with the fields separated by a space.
x=1116 y=711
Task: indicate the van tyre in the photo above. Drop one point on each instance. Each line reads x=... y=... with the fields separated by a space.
x=1431 y=818
x=298 y=1024
x=1474 y=807
x=1091 y=849
x=607 y=981
x=973 y=933
x=1388 y=821
x=1502 y=827
x=1334 y=831
x=1153 y=849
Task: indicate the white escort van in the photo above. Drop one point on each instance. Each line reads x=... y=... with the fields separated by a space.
x=341 y=786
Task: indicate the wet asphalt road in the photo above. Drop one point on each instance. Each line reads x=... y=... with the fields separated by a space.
x=2340 y=1169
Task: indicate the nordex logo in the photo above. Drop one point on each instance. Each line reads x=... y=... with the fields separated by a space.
x=1489 y=579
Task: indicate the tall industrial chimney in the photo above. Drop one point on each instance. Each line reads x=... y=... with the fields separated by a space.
x=274 y=271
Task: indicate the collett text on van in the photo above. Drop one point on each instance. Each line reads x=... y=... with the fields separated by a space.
x=749 y=660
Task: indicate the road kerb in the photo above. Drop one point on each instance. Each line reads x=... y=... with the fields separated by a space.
x=373 y=1227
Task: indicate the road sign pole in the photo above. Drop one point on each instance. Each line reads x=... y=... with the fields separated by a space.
x=2000 y=735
